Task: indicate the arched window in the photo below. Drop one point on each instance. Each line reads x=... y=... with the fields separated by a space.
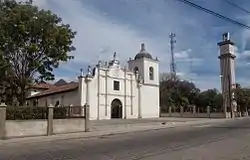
x=57 y=104
x=136 y=70
x=93 y=72
x=151 y=73
x=35 y=103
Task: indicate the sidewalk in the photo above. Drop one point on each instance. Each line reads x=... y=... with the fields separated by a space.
x=117 y=129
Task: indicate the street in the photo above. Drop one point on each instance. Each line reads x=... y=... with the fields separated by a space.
x=225 y=141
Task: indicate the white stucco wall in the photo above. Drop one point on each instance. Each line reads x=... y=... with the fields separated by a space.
x=102 y=93
x=143 y=65
x=150 y=101
x=93 y=98
x=23 y=128
x=68 y=125
x=66 y=99
x=147 y=64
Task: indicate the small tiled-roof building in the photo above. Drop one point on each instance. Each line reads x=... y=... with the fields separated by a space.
x=45 y=94
x=39 y=87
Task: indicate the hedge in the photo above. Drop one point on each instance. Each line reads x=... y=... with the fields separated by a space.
x=26 y=113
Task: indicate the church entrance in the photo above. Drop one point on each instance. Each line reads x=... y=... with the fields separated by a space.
x=116 y=109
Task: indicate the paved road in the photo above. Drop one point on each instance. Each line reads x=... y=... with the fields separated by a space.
x=227 y=141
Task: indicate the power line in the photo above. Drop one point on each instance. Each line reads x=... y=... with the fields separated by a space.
x=237 y=6
x=214 y=13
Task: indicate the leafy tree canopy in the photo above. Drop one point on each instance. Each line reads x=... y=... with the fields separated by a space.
x=33 y=42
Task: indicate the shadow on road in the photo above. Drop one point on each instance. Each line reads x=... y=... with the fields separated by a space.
x=230 y=127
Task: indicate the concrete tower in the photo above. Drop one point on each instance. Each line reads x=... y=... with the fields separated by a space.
x=227 y=68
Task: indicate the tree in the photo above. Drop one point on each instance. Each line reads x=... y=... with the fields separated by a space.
x=176 y=93
x=33 y=42
x=210 y=97
x=242 y=96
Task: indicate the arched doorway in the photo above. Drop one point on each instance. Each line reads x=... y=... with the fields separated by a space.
x=116 y=109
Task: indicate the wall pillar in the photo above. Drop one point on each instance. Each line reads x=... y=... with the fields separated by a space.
x=86 y=115
x=246 y=112
x=194 y=110
x=181 y=110
x=208 y=111
x=2 y=121
x=170 y=111
x=50 y=120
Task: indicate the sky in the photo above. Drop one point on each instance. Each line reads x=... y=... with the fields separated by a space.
x=107 y=26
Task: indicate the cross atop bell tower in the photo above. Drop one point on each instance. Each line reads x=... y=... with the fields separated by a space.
x=227 y=69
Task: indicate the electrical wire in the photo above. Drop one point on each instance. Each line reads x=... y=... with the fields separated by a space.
x=237 y=6
x=214 y=14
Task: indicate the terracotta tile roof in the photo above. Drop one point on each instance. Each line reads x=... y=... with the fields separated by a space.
x=56 y=89
x=42 y=85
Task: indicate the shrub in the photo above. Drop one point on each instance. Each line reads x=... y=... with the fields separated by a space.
x=26 y=113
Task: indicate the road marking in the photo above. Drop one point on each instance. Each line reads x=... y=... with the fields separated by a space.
x=205 y=125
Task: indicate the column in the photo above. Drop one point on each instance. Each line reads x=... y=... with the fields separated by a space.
x=181 y=110
x=106 y=94
x=194 y=110
x=139 y=101
x=2 y=121
x=87 y=106
x=131 y=95
x=98 y=92
x=81 y=91
x=50 y=120
x=208 y=111
x=125 y=93
x=170 y=111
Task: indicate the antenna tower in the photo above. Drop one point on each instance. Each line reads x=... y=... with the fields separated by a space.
x=191 y=68
x=172 y=63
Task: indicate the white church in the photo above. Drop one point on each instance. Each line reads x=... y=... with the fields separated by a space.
x=113 y=91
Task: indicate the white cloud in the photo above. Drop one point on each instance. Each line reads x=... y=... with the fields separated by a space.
x=245 y=54
x=98 y=37
x=181 y=74
x=183 y=54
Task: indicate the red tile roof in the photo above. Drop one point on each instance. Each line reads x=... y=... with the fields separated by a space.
x=42 y=85
x=56 y=89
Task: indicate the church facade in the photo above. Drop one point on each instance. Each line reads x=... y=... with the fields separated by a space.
x=112 y=91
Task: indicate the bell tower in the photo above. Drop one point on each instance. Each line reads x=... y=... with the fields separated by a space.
x=146 y=69
x=146 y=66
x=227 y=69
